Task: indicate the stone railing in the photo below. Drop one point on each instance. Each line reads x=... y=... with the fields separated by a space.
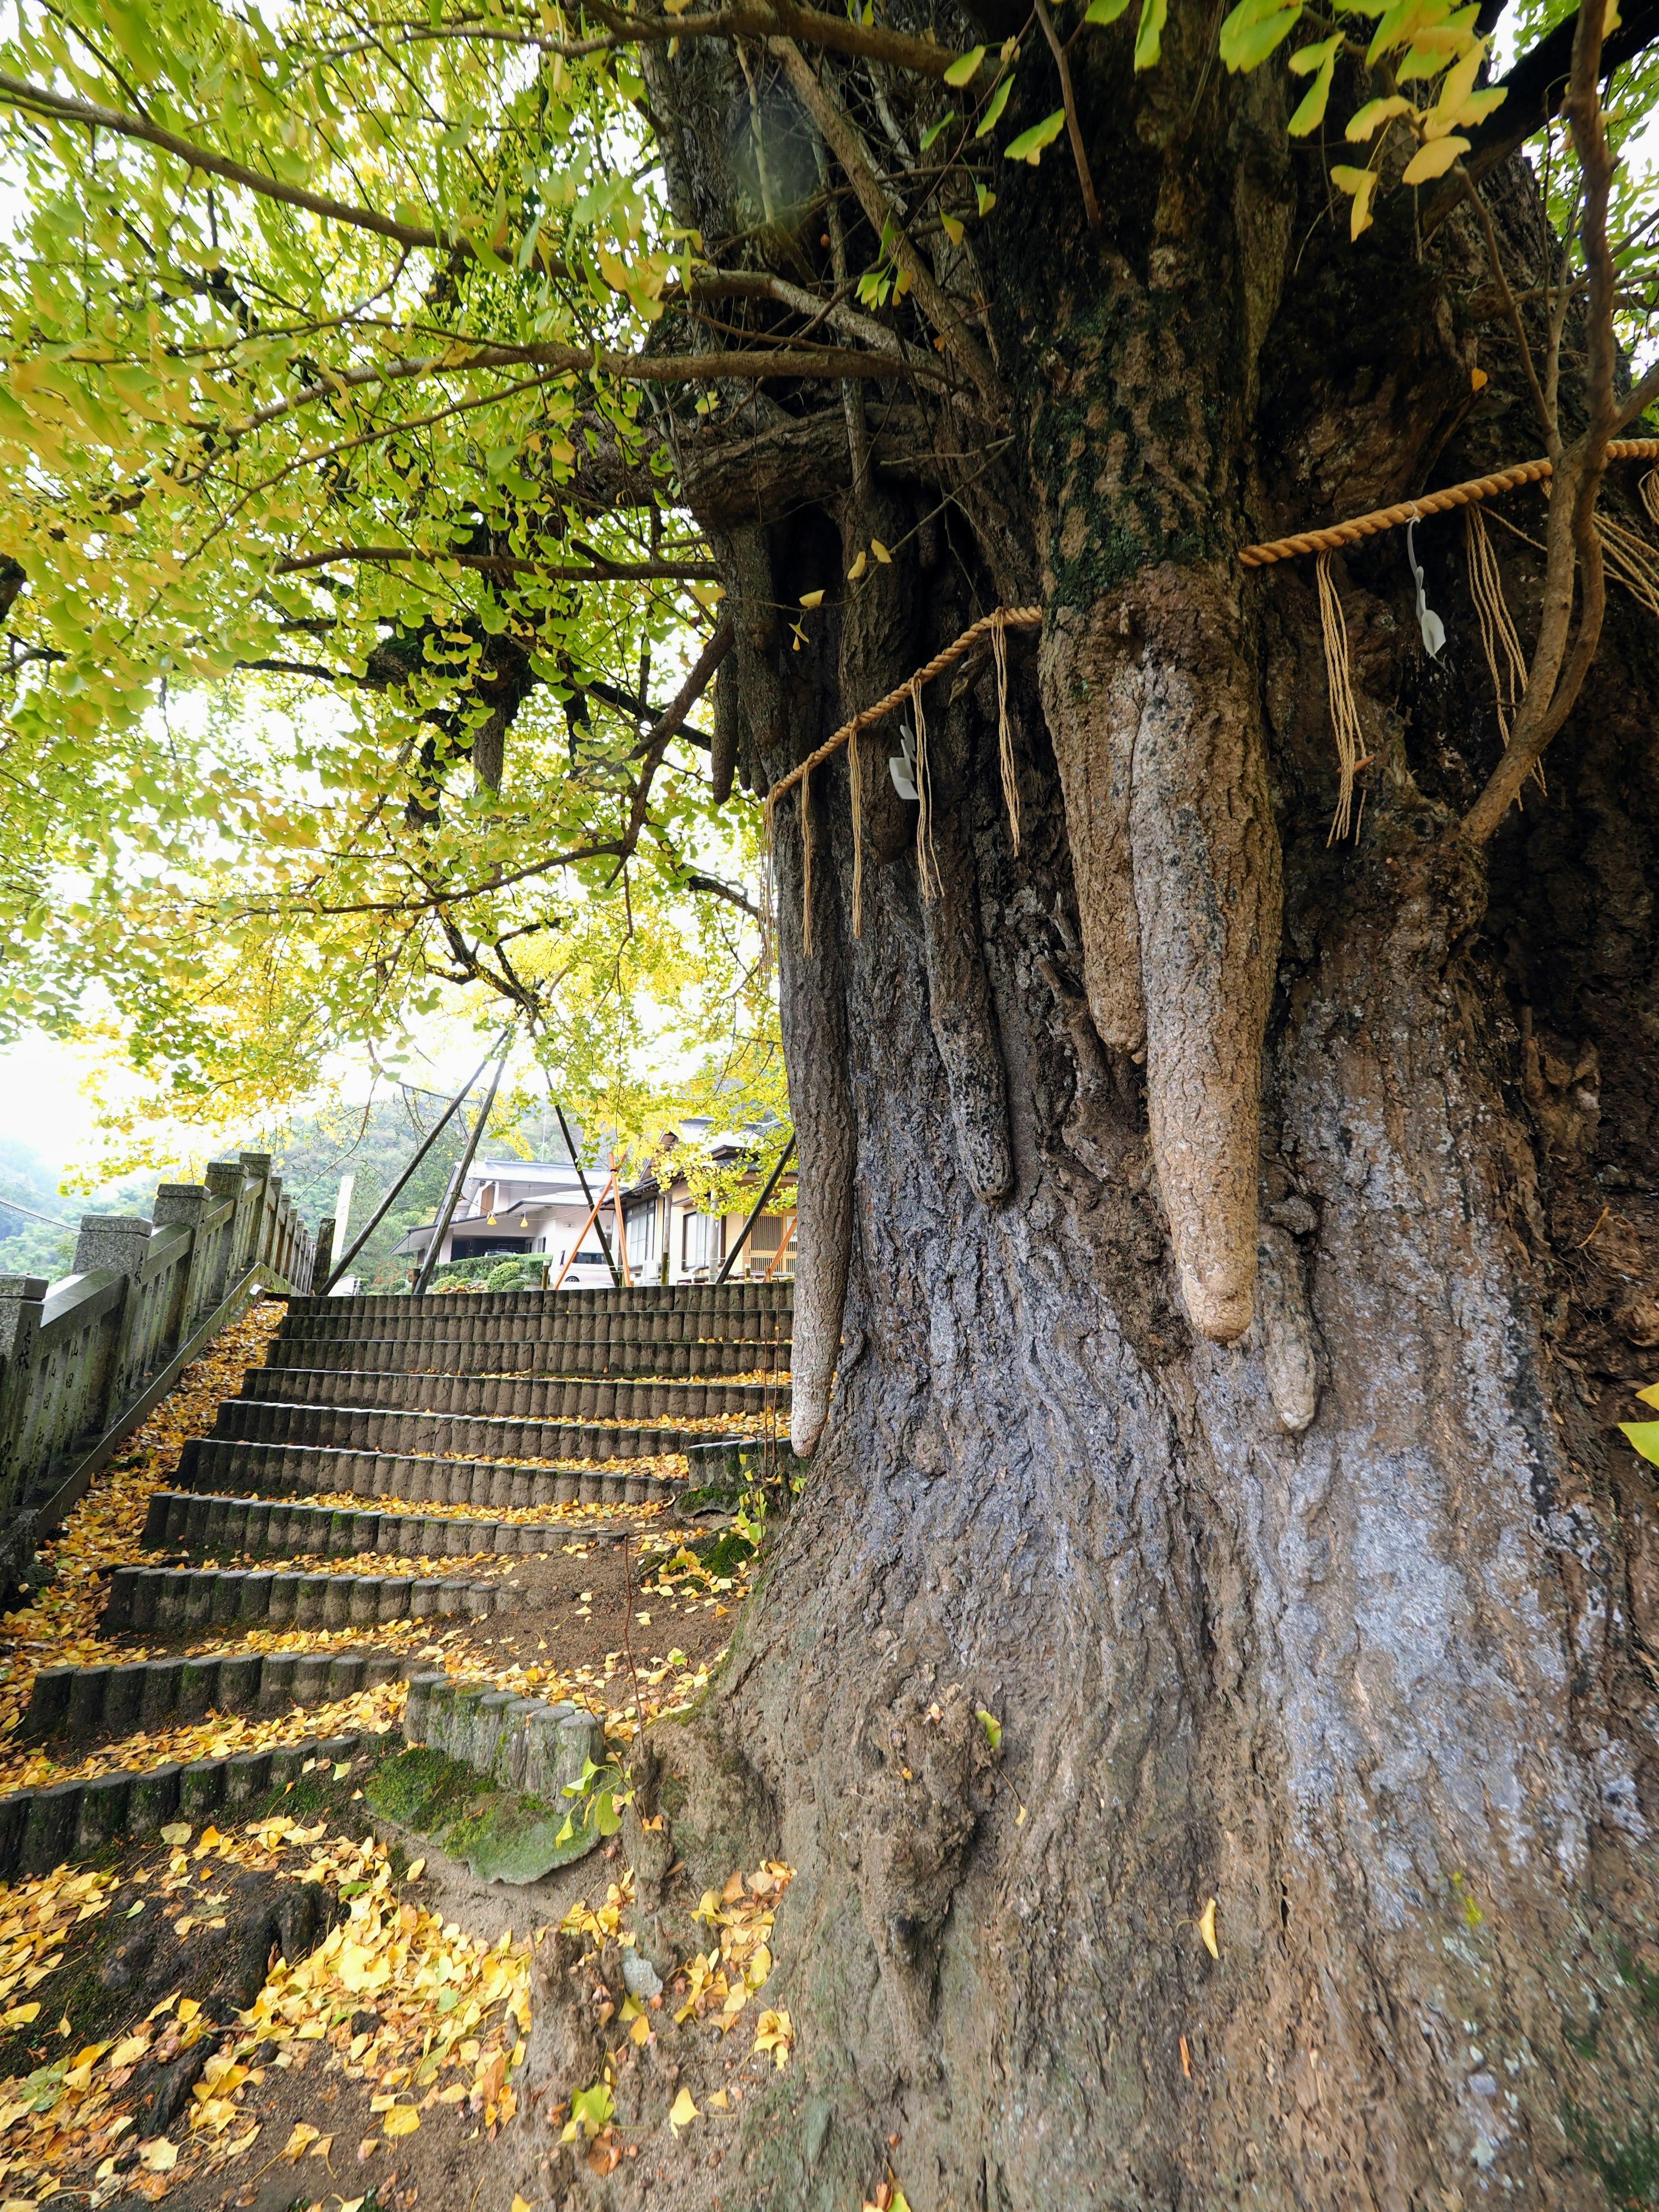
x=82 y=1360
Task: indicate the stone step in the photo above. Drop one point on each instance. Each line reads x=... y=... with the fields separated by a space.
x=443 y=1436
x=285 y=1470
x=510 y=1397
x=88 y=1703
x=731 y=1463
x=458 y=1323
x=519 y=1742
x=142 y=1600
x=227 y=1527
x=454 y=1355
x=713 y=1302
x=41 y=1829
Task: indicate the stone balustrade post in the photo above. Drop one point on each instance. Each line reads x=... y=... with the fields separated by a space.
x=118 y=1242
x=224 y=1182
x=257 y=1166
x=183 y=1203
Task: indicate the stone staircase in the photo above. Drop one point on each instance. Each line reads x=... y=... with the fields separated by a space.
x=484 y=1406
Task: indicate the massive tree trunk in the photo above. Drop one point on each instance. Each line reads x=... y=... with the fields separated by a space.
x=1242 y=1445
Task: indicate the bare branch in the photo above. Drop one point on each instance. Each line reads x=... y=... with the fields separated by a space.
x=38 y=101
x=1545 y=416
x=502 y=564
x=883 y=213
x=716 y=889
x=1571 y=540
x=1074 y=128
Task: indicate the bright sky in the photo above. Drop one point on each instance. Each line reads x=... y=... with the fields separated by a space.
x=41 y=1103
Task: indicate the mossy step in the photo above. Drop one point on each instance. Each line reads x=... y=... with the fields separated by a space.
x=509 y=1397
x=548 y=1763
x=181 y=1599
x=230 y=1526
x=41 y=1829
x=88 y=1704
x=499 y=1835
x=293 y=1470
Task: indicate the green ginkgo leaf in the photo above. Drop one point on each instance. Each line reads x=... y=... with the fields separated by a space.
x=1028 y=146
x=993 y=114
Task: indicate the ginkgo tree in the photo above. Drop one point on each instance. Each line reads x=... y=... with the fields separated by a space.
x=459 y=464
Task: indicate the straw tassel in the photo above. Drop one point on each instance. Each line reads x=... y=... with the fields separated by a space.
x=855 y=801
x=807 y=866
x=926 y=858
x=1345 y=716
x=1005 y=739
x=1497 y=631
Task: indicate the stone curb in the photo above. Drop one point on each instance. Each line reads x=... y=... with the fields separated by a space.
x=311 y=1348
x=142 y=1600
x=737 y=1459
x=228 y=1527
x=291 y=1470
x=519 y=1742
x=89 y=1703
x=40 y=1829
x=699 y=1299
x=594 y=1400
x=440 y=1436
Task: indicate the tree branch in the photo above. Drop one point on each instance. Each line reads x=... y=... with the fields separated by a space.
x=716 y=889
x=1551 y=433
x=1073 y=128
x=508 y=564
x=1534 y=86
x=839 y=133
x=37 y=100
x=1571 y=540
x=781 y=20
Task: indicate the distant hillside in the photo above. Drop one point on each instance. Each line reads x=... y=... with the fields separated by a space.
x=375 y=1145
x=33 y=1248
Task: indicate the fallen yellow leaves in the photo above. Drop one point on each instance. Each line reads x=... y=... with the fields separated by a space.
x=60 y=1627
x=66 y=2115
x=727 y=1976
x=216 y=1737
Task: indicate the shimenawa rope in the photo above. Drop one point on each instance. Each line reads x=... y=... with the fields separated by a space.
x=1428 y=503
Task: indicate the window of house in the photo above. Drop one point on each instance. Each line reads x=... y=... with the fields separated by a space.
x=702 y=1239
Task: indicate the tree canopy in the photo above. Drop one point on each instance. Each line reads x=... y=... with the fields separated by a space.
x=359 y=633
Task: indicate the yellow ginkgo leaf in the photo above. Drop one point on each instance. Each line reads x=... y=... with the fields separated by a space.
x=807 y=599
x=684 y=2112
x=303 y=2133
x=1206 y=1929
x=401 y=2120
x=415 y=1869
x=1433 y=159
x=1361 y=182
x=1366 y=121
x=158 y=2155
x=881 y=553
x=857 y=566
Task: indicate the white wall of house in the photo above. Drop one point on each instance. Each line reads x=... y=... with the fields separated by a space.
x=537 y=1208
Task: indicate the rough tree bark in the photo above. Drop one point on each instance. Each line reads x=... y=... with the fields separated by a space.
x=1249 y=1456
